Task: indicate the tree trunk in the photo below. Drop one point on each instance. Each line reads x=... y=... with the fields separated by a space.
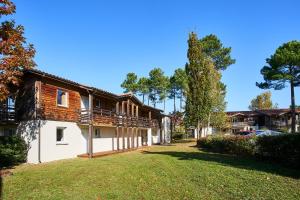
x=174 y=104
x=181 y=102
x=208 y=124
x=143 y=98
x=198 y=130
x=293 y=108
x=164 y=106
x=148 y=100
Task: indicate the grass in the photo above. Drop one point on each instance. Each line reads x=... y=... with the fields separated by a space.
x=159 y=172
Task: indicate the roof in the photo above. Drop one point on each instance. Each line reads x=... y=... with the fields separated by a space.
x=131 y=95
x=268 y=112
x=92 y=89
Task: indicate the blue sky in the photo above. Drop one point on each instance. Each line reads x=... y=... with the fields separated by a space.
x=98 y=42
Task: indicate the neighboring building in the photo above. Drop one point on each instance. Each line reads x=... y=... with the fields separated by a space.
x=272 y=119
x=62 y=119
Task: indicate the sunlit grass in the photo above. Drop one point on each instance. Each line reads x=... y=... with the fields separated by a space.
x=159 y=172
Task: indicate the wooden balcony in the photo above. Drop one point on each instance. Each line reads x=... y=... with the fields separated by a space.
x=111 y=118
x=7 y=114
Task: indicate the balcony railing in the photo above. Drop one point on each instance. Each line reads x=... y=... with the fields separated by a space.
x=7 y=114
x=240 y=124
x=104 y=116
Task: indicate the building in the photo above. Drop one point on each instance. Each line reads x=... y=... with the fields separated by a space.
x=62 y=119
x=272 y=119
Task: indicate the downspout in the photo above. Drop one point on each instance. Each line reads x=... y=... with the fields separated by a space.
x=39 y=141
x=37 y=116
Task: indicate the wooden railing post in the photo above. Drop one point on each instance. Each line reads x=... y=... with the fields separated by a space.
x=90 y=112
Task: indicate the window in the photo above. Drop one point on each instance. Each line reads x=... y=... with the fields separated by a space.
x=62 y=98
x=9 y=131
x=98 y=104
x=97 y=133
x=60 y=134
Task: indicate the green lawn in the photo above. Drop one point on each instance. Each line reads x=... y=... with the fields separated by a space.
x=158 y=172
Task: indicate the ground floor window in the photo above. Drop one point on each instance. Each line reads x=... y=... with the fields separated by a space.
x=97 y=133
x=60 y=134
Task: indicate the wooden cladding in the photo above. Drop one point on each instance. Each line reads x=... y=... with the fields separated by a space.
x=52 y=111
x=99 y=110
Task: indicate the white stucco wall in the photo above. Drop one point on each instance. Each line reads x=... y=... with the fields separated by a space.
x=156 y=136
x=105 y=142
x=74 y=142
x=204 y=132
x=166 y=130
x=29 y=131
x=149 y=136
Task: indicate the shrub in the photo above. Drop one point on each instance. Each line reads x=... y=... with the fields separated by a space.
x=283 y=148
x=13 y=150
x=238 y=145
x=177 y=135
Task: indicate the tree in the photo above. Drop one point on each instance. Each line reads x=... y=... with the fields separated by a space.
x=15 y=54
x=203 y=80
x=143 y=87
x=283 y=67
x=173 y=91
x=214 y=49
x=157 y=83
x=262 y=101
x=178 y=86
x=130 y=83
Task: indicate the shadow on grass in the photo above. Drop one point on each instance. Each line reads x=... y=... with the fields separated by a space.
x=233 y=161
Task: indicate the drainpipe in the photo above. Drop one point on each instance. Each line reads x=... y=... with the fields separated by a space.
x=39 y=142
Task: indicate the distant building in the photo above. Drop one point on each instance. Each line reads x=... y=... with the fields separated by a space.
x=272 y=119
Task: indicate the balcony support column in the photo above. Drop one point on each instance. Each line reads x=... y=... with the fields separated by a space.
x=90 y=126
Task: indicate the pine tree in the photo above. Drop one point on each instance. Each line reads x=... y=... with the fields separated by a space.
x=16 y=54
x=143 y=87
x=130 y=83
x=283 y=67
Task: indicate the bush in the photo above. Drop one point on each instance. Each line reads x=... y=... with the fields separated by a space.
x=177 y=135
x=282 y=148
x=238 y=145
x=13 y=150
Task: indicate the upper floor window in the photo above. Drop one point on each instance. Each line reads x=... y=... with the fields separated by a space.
x=98 y=103
x=62 y=98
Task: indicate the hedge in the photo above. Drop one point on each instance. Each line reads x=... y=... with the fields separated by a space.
x=13 y=150
x=283 y=148
x=238 y=145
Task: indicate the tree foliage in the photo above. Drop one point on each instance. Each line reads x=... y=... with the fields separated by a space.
x=205 y=105
x=283 y=67
x=203 y=81
x=143 y=87
x=178 y=86
x=15 y=54
x=130 y=83
x=220 y=55
x=262 y=101
x=158 y=85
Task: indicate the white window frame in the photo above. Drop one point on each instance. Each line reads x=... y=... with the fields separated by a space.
x=67 y=98
x=62 y=141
